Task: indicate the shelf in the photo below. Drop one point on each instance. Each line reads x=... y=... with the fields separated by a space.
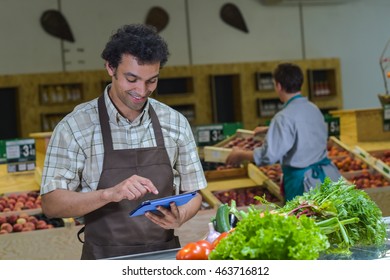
x=264 y=81
x=9 y=112
x=268 y=107
x=322 y=83
x=180 y=85
x=60 y=94
x=50 y=120
x=208 y=94
x=188 y=110
x=226 y=98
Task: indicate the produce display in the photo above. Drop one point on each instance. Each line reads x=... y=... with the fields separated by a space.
x=20 y=201
x=246 y=143
x=331 y=219
x=347 y=215
x=348 y=164
x=25 y=222
x=366 y=180
x=244 y=196
x=271 y=236
x=273 y=172
x=385 y=157
x=335 y=151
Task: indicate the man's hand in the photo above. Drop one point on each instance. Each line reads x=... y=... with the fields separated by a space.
x=169 y=218
x=237 y=156
x=260 y=130
x=132 y=188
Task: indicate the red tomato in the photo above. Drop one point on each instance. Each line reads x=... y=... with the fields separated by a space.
x=199 y=250
x=206 y=245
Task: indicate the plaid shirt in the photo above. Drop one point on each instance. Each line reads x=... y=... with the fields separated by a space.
x=74 y=156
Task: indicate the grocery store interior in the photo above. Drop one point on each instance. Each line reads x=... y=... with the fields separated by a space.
x=219 y=76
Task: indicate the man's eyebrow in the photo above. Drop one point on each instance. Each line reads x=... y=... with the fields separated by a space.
x=129 y=74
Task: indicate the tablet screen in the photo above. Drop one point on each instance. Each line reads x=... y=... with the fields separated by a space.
x=151 y=205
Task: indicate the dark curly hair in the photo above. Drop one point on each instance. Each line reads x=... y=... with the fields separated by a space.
x=138 y=40
x=289 y=76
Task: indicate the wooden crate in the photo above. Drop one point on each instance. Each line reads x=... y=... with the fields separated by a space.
x=59 y=243
x=253 y=178
x=215 y=154
x=351 y=153
x=334 y=141
x=230 y=173
x=361 y=125
x=374 y=158
x=17 y=182
x=363 y=153
x=219 y=153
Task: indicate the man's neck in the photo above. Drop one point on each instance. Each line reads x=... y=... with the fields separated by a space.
x=287 y=96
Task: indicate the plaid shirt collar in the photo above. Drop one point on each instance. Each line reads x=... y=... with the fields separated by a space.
x=116 y=118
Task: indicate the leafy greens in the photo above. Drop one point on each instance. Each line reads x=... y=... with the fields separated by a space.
x=262 y=235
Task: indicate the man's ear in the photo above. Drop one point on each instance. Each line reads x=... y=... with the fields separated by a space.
x=278 y=86
x=110 y=69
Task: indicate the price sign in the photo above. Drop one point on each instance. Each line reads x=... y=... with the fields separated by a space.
x=333 y=126
x=20 y=150
x=209 y=134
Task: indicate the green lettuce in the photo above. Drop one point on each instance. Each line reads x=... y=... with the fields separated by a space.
x=266 y=236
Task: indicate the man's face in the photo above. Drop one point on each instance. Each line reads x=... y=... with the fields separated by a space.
x=132 y=84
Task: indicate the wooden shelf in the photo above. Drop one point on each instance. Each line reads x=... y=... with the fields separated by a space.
x=322 y=83
x=214 y=93
x=60 y=94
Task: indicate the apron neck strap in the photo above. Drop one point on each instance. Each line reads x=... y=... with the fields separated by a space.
x=106 y=130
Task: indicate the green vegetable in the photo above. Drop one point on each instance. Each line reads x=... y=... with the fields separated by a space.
x=266 y=236
x=345 y=214
x=222 y=218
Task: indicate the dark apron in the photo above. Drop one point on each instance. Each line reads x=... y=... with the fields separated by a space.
x=293 y=178
x=109 y=231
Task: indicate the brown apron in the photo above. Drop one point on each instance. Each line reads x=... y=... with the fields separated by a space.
x=109 y=231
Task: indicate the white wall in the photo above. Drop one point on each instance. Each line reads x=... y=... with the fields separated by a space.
x=356 y=32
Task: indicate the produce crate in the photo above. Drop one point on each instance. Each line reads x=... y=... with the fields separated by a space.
x=59 y=243
x=220 y=151
x=14 y=203
x=336 y=148
x=252 y=179
x=21 y=208
x=273 y=172
x=213 y=175
x=346 y=159
x=375 y=158
x=375 y=184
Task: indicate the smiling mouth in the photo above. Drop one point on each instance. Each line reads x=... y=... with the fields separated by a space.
x=136 y=98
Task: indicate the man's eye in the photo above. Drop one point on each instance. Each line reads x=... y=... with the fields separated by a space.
x=152 y=81
x=132 y=81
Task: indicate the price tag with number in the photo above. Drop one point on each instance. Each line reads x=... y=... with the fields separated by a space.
x=333 y=126
x=20 y=150
x=209 y=134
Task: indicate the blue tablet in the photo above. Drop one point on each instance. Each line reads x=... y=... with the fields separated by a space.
x=151 y=205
